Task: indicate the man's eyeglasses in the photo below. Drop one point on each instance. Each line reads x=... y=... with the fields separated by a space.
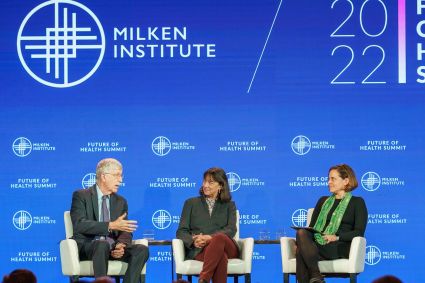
x=116 y=175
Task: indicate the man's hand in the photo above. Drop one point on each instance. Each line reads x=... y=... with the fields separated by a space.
x=118 y=252
x=120 y=224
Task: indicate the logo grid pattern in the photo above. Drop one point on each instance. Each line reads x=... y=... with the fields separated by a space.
x=161 y=219
x=22 y=147
x=371 y=181
x=60 y=44
x=88 y=180
x=373 y=255
x=234 y=181
x=161 y=146
x=301 y=145
x=299 y=217
x=22 y=220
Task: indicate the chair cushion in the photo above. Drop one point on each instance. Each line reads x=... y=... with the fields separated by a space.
x=325 y=266
x=291 y=266
x=334 y=266
x=189 y=267
x=115 y=267
x=234 y=266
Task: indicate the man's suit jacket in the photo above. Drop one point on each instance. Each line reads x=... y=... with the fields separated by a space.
x=195 y=219
x=85 y=217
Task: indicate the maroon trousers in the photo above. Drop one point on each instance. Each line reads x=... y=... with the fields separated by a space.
x=215 y=256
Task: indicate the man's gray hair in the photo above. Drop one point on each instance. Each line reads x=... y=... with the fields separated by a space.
x=106 y=166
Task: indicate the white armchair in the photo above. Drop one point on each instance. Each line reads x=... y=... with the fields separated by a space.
x=74 y=268
x=235 y=267
x=349 y=267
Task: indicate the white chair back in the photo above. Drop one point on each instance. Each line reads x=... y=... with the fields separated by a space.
x=309 y=215
x=69 y=231
x=236 y=237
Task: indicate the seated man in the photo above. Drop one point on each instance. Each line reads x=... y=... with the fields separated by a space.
x=101 y=228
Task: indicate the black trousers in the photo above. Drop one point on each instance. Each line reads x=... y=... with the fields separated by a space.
x=99 y=252
x=309 y=253
x=307 y=256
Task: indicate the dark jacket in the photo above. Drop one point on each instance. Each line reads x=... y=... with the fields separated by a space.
x=353 y=224
x=195 y=219
x=85 y=217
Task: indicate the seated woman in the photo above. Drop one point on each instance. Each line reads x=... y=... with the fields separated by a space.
x=340 y=217
x=208 y=225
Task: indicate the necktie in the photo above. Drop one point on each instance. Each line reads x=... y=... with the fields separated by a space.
x=105 y=210
x=105 y=218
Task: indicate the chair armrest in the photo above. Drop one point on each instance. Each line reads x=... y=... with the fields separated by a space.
x=178 y=251
x=145 y=243
x=288 y=249
x=246 y=249
x=356 y=259
x=140 y=242
x=70 y=259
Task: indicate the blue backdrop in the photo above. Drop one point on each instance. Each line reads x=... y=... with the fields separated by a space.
x=275 y=92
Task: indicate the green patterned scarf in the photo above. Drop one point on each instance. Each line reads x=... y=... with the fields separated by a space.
x=336 y=218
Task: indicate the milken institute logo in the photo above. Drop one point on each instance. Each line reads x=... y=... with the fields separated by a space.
x=67 y=50
x=299 y=217
x=234 y=181
x=22 y=220
x=161 y=219
x=21 y=147
x=301 y=145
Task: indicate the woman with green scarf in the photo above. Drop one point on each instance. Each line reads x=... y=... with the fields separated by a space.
x=339 y=217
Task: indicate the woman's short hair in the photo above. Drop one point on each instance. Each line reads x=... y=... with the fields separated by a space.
x=344 y=172
x=107 y=165
x=218 y=175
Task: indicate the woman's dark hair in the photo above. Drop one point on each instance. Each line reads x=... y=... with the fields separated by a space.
x=344 y=172
x=219 y=176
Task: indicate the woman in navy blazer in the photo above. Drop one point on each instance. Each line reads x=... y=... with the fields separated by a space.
x=208 y=225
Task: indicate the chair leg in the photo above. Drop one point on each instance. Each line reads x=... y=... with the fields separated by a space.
x=353 y=278
x=235 y=279
x=248 y=278
x=189 y=278
x=73 y=279
x=117 y=279
x=285 y=277
x=179 y=276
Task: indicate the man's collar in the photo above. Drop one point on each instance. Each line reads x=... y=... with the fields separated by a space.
x=99 y=192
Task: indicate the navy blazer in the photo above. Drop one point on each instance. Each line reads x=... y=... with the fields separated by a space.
x=85 y=217
x=195 y=219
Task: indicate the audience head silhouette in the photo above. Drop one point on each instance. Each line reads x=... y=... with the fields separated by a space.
x=387 y=279
x=104 y=279
x=20 y=276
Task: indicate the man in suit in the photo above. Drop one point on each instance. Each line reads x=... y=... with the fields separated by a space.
x=101 y=228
